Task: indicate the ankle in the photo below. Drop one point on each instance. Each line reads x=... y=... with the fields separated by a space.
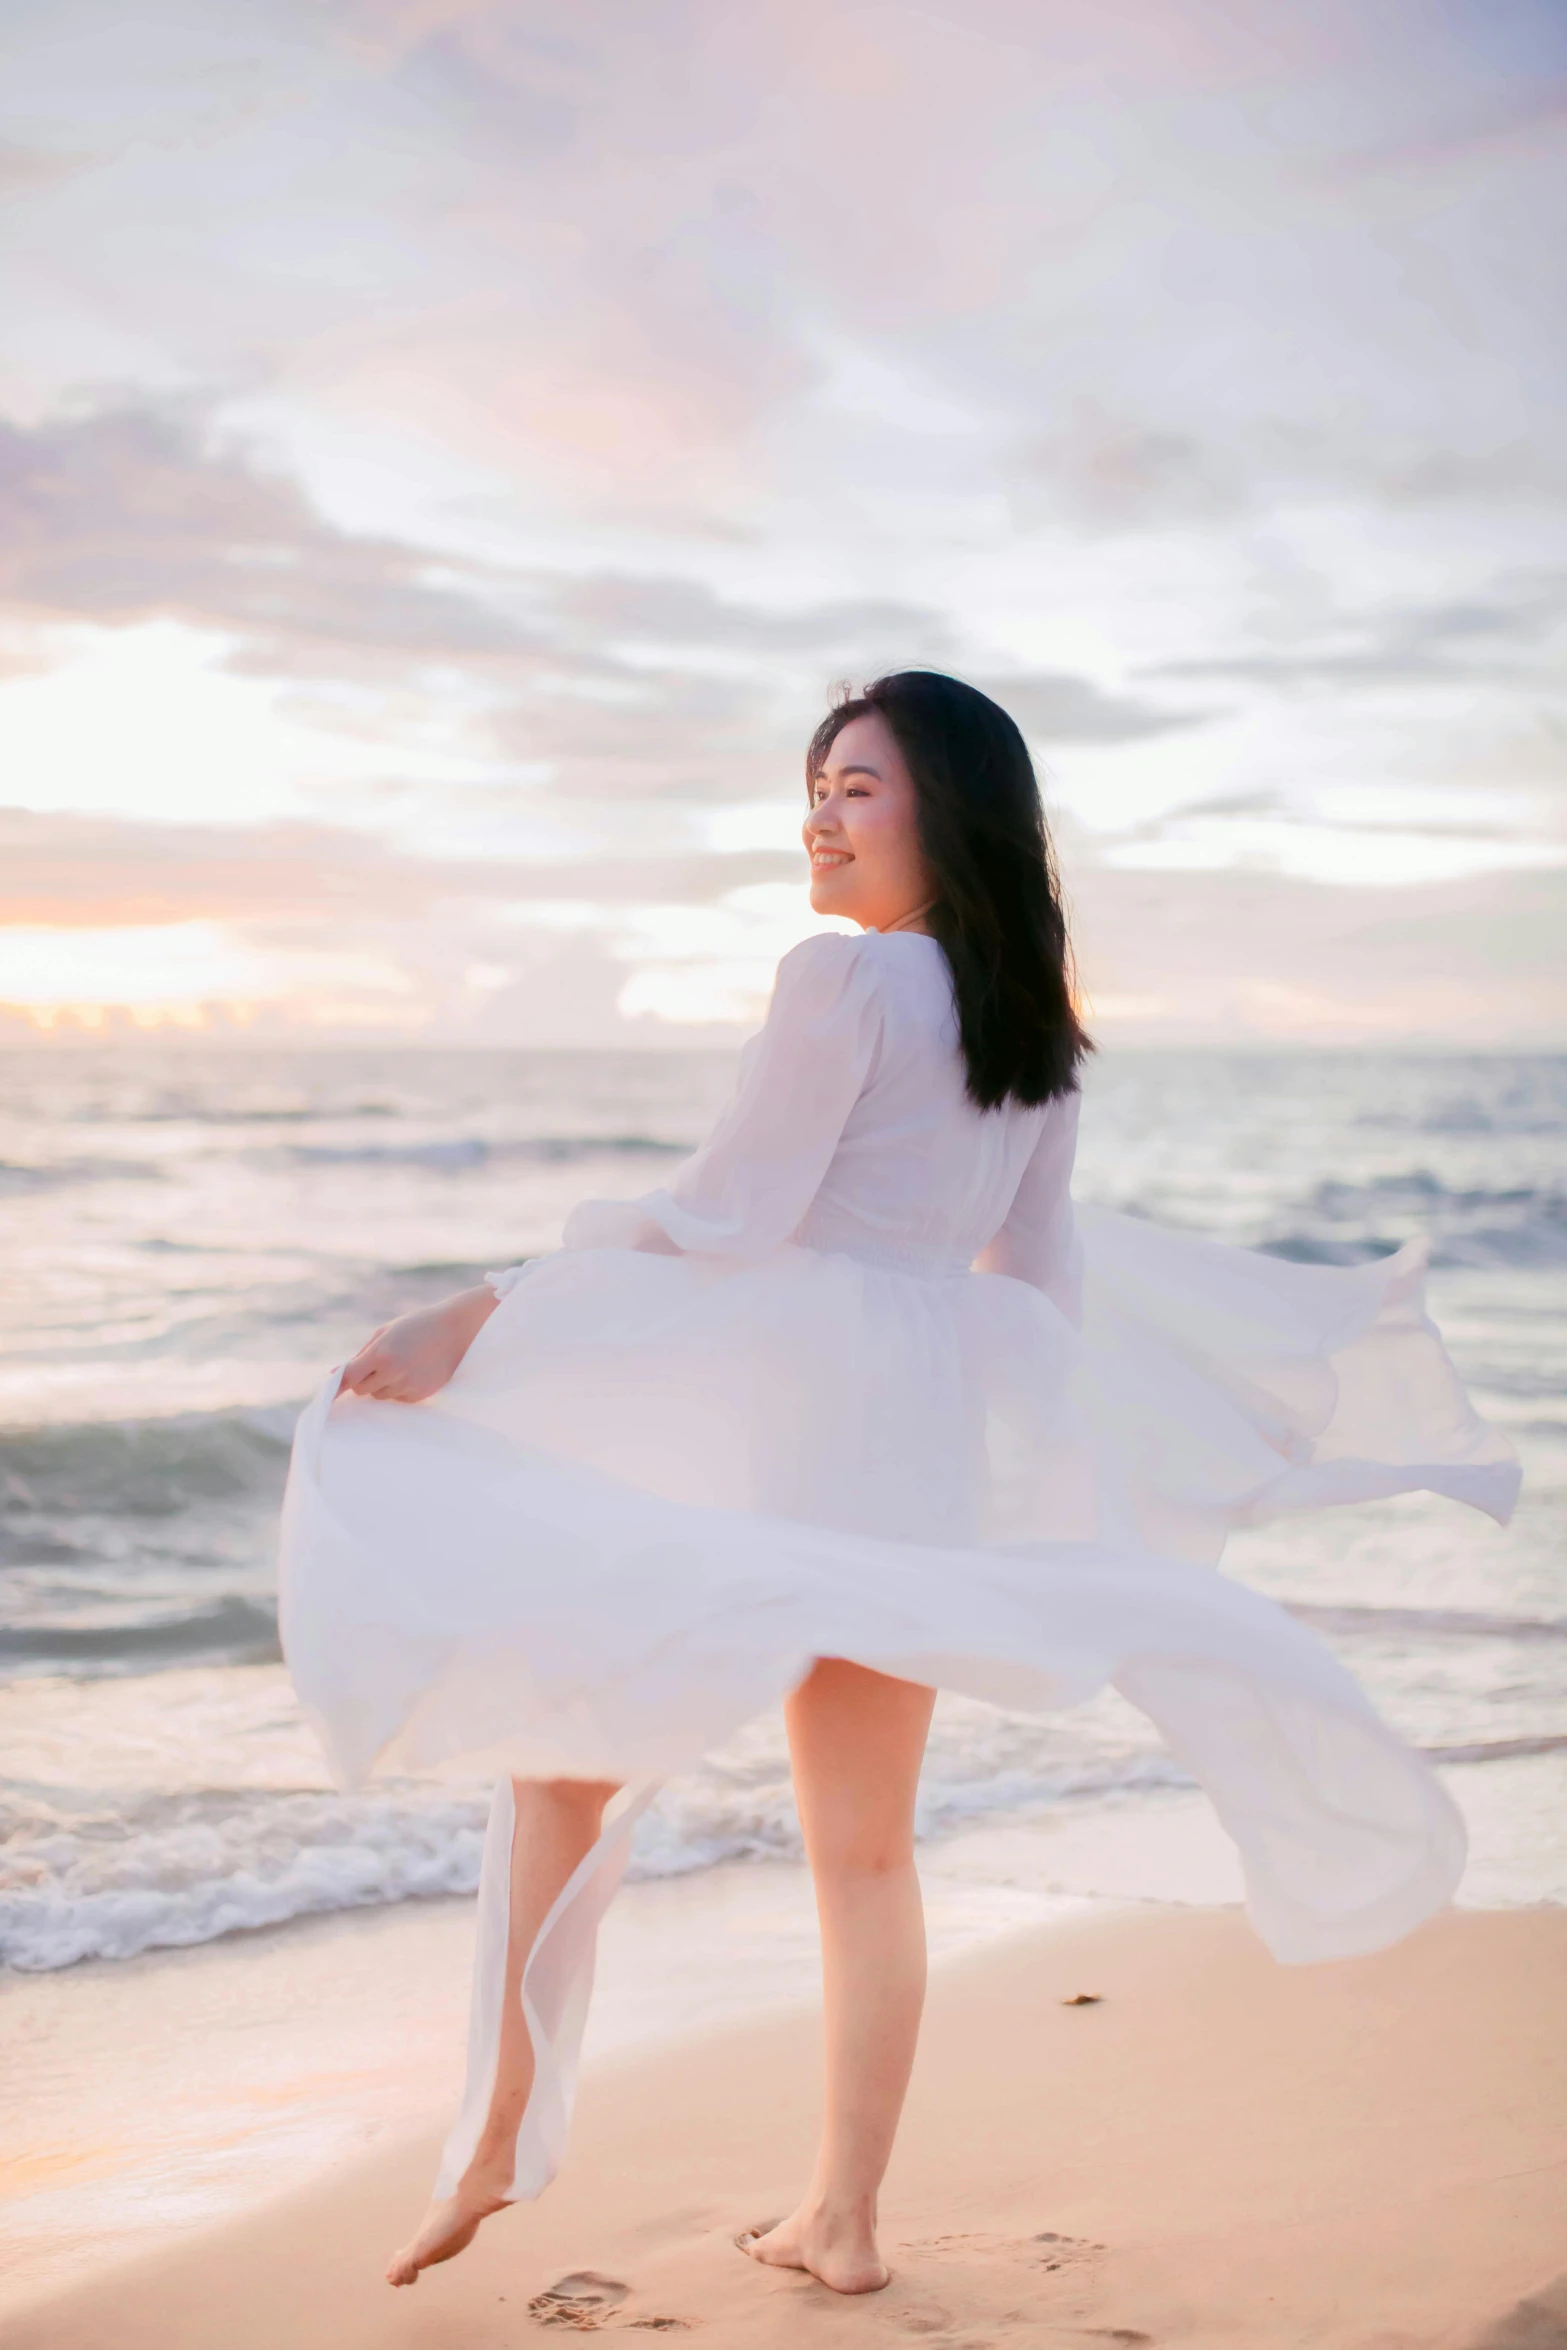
x=840 y=2215
x=488 y=2177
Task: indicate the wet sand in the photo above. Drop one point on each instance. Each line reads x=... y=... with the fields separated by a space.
x=151 y=2097
x=1370 y=2155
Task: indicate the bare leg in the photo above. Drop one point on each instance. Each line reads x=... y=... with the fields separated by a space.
x=558 y=1823
x=856 y=1739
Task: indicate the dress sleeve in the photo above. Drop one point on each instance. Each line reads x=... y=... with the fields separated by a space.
x=1039 y=1241
x=747 y=1188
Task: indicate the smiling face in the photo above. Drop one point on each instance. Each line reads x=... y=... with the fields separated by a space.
x=862 y=834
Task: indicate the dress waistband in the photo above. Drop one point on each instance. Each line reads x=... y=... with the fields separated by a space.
x=925 y=1264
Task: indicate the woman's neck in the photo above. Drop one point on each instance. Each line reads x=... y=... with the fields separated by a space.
x=914 y=919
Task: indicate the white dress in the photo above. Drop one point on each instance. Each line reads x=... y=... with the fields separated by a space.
x=861 y=1382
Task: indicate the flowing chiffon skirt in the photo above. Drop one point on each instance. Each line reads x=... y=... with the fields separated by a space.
x=659 y=1486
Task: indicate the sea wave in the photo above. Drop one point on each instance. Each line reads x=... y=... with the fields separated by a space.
x=229 y=1630
x=441 y=1155
x=1537 y=1105
x=1488 y=1750
x=1343 y=1223
x=169 y=1871
x=1425 y=1622
x=217 y=1864
x=177 y=1112
x=146 y=1468
x=18 y=1178
x=456 y=1154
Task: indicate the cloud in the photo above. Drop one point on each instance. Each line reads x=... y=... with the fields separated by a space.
x=521 y=952
x=1103 y=473
x=25 y=168
x=1517 y=119
x=147 y=510
x=713 y=736
x=141 y=511
x=611 y=259
x=70 y=871
x=1220 y=957
x=1053 y=707
x=1506 y=631
x=654 y=610
x=290 y=926
x=1429 y=819
x=550 y=413
x=623 y=684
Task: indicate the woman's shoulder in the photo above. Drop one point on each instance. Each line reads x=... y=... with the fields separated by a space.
x=830 y=953
x=825 y=977
x=834 y=957
x=871 y=981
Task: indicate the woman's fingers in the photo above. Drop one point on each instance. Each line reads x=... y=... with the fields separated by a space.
x=362 y=1362
x=384 y=1382
x=416 y=1362
x=382 y=1373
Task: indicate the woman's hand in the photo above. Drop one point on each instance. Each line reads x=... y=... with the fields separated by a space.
x=406 y=1360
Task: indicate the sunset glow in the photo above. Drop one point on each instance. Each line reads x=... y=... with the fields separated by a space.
x=431 y=522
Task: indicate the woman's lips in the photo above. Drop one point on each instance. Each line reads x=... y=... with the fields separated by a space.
x=823 y=860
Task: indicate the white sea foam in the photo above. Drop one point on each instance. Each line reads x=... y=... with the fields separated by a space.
x=119 y=1842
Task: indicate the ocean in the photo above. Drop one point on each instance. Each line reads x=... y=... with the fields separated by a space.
x=191 y=1236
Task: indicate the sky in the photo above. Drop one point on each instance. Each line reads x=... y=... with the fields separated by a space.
x=451 y=454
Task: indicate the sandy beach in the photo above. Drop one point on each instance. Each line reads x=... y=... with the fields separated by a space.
x=1364 y=2156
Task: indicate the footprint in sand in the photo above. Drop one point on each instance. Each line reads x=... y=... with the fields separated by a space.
x=581 y=2301
x=1063 y=2251
x=1048 y=2249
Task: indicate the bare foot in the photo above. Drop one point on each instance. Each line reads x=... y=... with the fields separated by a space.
x=838 y=2248
x=447 y=2228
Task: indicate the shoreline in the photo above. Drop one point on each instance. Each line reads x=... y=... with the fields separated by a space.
x=1365 y=2155
x=282 y=2053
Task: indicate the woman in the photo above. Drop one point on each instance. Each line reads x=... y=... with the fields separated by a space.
x=854 y=1408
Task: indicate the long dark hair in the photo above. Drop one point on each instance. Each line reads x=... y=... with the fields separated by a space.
x=998 y=904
